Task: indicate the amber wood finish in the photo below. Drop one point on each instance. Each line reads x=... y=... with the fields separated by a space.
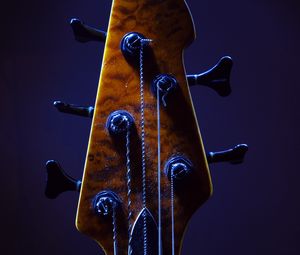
x=169 y=24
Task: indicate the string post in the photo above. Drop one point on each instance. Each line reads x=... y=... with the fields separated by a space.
x=106 y=203
x=165 y=84
x=132 y=43
x=178 y=167
x=119 y=122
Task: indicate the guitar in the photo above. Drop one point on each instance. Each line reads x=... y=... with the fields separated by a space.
x=146 y=169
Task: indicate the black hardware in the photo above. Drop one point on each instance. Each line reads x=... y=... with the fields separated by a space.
x=132 y=43
x=84 y=33
x=166 y=84
x=74 y=109
x=178 y=167
x=105 y=202
x=119 y=122
x=217 y=78
x=234 y=156
x=58 y=181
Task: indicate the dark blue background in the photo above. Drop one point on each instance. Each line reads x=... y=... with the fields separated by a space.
x=255 y=207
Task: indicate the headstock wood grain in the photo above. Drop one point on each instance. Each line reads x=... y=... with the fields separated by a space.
x=169 y=26
x=146 y=171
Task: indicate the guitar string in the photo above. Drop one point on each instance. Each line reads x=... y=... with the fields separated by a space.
x=159 y=183
x=145 y=241
x=158 y=169
x=114 y=223
x=128 y=176
x=172 y=213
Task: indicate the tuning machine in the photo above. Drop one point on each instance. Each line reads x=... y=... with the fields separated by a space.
x=216 y=78
x=58 y=181
x=83 y=111
x=84 y=33
x=234 y=155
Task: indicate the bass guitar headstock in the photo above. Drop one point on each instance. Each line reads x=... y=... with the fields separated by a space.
x=146 y=169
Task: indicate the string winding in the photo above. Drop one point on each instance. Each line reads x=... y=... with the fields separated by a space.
x=114 y=223
x=128 y=176
x=142 y=106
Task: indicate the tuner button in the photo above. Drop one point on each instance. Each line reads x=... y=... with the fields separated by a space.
x=74 y=109
x=178 y=167
x=58 y=181
x=105 y=203
x=234 y=156
x=84 y=33
x=217 y=78
x=119 y=122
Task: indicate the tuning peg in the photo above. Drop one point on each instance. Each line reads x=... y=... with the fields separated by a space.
x=217 y=78
x=234 y=156
x=58 y=181
x=74 y=109
x=84 y=33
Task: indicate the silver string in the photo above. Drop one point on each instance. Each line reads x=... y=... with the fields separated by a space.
x=128 y=176
x=114 y=223
x=158 y=170
x=142 y=106
x=172 y=209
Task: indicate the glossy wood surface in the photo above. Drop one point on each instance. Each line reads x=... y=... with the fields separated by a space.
x=169 y=24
